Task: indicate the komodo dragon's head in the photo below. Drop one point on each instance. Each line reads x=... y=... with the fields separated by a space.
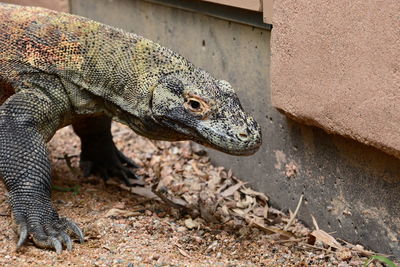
x=195 y=106
x=181 y=102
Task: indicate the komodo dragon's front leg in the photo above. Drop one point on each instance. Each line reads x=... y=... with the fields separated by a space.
x=98 y=151
x=27 y=121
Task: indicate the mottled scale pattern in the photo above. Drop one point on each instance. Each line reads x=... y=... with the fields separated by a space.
x=58 y=69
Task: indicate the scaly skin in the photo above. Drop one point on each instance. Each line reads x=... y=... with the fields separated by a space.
x=58 y=69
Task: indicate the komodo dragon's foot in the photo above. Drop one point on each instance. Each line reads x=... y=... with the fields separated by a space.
x=99 y=154
x=107 y=161
x=46 y=228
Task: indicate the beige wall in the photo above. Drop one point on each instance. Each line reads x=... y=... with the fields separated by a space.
x=337 y=66
x=59 y=5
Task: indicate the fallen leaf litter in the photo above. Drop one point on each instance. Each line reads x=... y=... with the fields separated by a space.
x=188 y=212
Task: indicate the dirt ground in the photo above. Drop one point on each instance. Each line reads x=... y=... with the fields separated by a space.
x=189 y=214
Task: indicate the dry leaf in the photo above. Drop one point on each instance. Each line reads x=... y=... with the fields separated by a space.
x=251 y=192
x=177 y=187
x=265 y=213
x=276 y=212
x=166 y=181
x=245 y=203
x=239 y=212
x=212 y=247
x=326 y=238
x=144 y=192
x=207 y=213
x=272 y=229
x=191 y=224
x=179 y=201
x=231 y=190
x=192 y=200
x=184 y=253
x=121 y=213
x=196 y=169
x=195 y=187
x=344 y=254
x=225 y=210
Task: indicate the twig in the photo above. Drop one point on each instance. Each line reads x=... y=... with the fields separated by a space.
x=166 y=200
x=315 y=222
x=293 y=216
x=183 y=252
x=361 y=251
x=291 y=240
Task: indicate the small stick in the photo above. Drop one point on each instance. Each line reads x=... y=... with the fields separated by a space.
x=315 y=223
x=293 y=216
x=166 y=200
x=291 y=240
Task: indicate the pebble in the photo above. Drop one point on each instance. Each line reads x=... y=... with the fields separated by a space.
x=181 y=229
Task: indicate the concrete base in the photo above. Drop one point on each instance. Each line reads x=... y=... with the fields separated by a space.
x=350 y=188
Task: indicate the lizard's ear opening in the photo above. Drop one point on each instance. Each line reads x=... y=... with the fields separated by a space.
x=166 y=96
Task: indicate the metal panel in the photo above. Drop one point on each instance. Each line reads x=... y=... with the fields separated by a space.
x=233 y=14
x=254 y=5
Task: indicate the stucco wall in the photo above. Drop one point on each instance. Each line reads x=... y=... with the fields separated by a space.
x=59 y=5
x=337 y=66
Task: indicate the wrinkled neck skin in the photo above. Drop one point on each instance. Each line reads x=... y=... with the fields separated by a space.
x=145 y=125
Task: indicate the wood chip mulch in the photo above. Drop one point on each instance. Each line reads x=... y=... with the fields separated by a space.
x=183 y=212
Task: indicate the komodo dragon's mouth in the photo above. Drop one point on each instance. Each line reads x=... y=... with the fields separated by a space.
x=247 y=152
x=195 y=135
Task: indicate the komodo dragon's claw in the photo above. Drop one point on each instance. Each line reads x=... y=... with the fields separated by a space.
x=125 y=160
x=54 y=234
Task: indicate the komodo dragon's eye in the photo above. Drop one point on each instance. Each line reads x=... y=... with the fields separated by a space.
x=196 y=105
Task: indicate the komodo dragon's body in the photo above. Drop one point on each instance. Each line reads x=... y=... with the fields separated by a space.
x=58 y=69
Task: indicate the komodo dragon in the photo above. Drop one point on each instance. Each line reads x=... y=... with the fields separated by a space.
x=58 y=69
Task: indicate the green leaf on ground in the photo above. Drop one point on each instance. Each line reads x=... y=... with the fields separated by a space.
x=382 y=259
x=75 y=189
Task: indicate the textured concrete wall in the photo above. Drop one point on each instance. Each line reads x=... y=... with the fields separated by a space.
x=337 y=66
x=350 y=188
